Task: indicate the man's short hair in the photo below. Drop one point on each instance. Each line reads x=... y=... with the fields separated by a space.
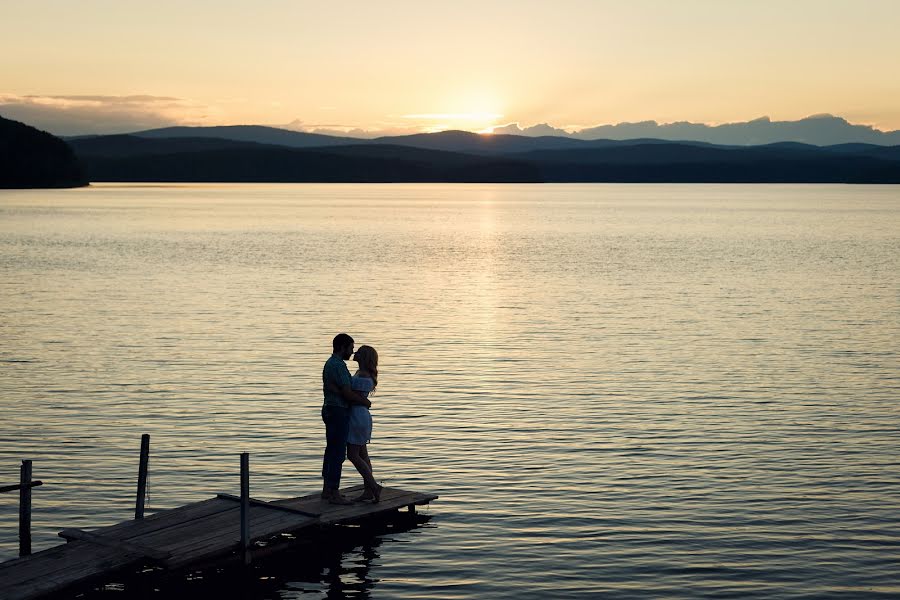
x=341 y=340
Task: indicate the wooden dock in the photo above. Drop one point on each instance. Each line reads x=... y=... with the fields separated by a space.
x=202 y=533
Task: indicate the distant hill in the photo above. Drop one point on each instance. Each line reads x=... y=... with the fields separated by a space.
x=251 y=133
x=484 y=159
x=30 y=158
x=820 y=130
x=451 y=141
x=883 y=152
x=132 y=145
x=683 y=163
x=359 y=163
x=465 y=141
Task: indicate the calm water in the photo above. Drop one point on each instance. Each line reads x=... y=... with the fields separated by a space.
x=618 y=391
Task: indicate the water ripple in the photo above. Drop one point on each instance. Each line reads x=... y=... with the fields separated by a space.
x=617 y=391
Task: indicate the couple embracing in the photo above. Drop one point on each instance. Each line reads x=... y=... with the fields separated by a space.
x=348 y=424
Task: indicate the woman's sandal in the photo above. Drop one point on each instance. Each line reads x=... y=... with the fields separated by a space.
x=376 y=493
x=367 y=494
x=370 y=494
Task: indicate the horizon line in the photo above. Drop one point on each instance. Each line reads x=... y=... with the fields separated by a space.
x=515 y=127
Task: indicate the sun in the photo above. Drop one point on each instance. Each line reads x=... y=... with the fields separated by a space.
x=476 y=111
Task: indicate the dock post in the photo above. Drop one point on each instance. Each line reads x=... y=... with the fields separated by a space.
x=142 y=477
x=25 y=509
x=245 y=507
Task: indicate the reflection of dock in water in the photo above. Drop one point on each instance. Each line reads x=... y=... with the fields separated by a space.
x=216 y=532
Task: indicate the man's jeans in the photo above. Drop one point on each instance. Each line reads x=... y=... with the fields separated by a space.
x=337 y=428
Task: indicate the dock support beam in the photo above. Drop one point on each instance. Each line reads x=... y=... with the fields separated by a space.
x=142 y=477
x=25 y=508
x=245 y=507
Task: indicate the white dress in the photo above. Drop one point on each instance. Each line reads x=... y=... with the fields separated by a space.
x=360 y=417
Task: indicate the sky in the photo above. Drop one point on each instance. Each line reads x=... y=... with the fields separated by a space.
x=397 y=66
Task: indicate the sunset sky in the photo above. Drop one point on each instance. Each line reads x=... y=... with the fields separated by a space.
x=401 y=66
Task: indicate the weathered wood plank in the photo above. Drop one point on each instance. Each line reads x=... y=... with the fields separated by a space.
x=142 y=477
x=18 y=486
x=226 y=524
x=223 y=537
x=25 y=509
x=165 y=519
x=227 y=532
x=349 y=514
x=213 y=535
x=391 y=500
x=271 y=505
x=49 y=561
x=203 y=526
x=245 y=508
x=86 y=536
x=55 y=569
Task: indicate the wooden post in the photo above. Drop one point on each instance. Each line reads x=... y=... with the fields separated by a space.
x=25 y=509
x=245 y=507
x=142 y=477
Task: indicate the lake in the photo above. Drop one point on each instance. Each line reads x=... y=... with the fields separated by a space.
x=618 y=391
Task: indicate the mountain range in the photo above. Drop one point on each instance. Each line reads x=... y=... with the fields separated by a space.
x=820 y=130
x=254 y=153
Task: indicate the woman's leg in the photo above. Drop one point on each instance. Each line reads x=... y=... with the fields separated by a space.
x=354 y=452
x=364 y=453
x=373 y=486
x=373 y=490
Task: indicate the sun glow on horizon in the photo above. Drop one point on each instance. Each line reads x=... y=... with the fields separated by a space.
x=480 y=121
x=467 y=116
x=474 y=110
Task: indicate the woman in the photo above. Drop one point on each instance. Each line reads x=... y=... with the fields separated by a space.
x=363 y=383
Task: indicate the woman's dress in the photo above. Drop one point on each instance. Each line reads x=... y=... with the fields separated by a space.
x=360 y=417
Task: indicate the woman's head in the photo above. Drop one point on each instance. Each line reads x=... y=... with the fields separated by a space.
x=368 y=361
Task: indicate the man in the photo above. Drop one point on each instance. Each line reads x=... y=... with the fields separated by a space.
x=336 y=415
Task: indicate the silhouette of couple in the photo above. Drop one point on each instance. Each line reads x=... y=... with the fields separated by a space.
x=348 y=423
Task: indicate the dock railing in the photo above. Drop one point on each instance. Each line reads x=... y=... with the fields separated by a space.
x=24 y=488
x=26 y=484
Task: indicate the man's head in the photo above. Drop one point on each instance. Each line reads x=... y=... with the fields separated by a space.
x=343 y=345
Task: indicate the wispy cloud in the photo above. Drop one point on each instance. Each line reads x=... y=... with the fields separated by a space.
x=84 y=100
x=377 y=129
x=81 y=114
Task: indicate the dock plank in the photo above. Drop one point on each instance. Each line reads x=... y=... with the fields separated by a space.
x=332 y=514
x=225 y=536
x=87 y=536
x=55 y=569
x=213 y=525
x=165 y=519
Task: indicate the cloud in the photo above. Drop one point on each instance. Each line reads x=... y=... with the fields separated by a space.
x=81 y=100
x=534 y=130
x=378 y=129
x=85 y=114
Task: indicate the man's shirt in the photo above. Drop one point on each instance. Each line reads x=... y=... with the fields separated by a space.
x=336 y=372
